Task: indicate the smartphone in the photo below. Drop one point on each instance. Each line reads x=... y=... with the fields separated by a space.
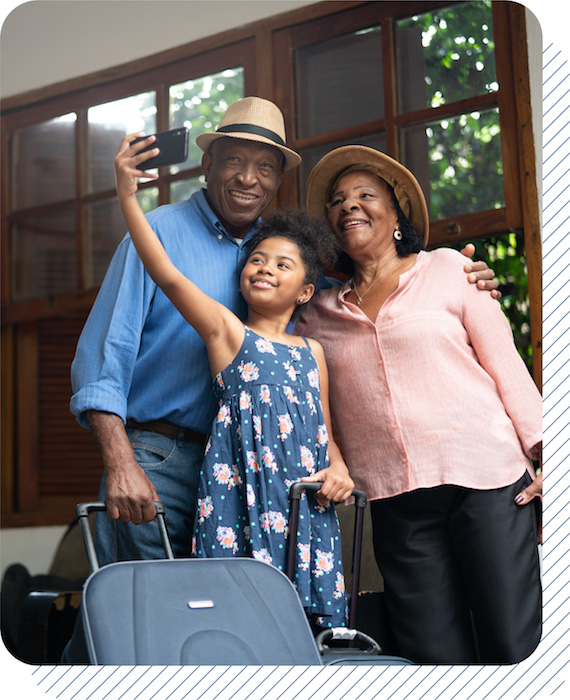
x=173 y=147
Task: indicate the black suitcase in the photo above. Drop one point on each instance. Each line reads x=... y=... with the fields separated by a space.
x=341 y=645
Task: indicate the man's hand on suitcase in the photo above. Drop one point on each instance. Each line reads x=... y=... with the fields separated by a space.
x=130 y=495
x=337 y=484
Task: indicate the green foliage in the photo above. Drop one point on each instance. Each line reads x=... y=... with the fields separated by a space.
x=148 y=199
x=200 y=104
x=459 y=51
x=465 y=165
x=462 y=153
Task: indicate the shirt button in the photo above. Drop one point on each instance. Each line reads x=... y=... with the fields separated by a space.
x=387 y=392
x=220 y=236
x=380 y=362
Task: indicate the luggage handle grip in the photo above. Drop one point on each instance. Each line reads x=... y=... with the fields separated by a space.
x=296 y=491
x=82 y=511
x=373 y=648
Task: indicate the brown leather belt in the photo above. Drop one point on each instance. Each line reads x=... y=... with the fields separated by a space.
x=170 y=430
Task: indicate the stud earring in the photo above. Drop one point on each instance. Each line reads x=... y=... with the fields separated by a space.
x=398 y=235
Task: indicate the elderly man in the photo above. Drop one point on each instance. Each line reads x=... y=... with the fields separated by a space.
x=140 y=376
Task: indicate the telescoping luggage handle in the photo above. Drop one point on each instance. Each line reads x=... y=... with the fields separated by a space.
x=295 y=493
x=82 y=511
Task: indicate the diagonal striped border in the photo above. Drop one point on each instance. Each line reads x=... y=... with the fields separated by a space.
x=546 y=672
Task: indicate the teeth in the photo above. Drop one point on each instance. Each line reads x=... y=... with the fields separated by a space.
x=261 y=283
x=242 y=195
x=353 y=222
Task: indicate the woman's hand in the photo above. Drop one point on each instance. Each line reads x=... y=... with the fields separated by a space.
x=529 y=494
x=127 y=161
x=480 y=273
x=337 y=484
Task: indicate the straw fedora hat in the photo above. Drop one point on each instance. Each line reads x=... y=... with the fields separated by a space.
x=253 y=119
x=349 y=158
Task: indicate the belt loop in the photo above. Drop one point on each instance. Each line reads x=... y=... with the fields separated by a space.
x=180 y=437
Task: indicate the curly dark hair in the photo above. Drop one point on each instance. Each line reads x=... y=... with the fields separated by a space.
x=313 y=236
x=411 y=241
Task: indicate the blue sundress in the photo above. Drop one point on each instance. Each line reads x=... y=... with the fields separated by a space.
x=270 y=432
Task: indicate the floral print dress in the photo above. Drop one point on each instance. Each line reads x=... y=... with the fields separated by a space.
x=270 y=432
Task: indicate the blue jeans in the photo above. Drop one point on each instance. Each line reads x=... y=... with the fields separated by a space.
x=173 y=466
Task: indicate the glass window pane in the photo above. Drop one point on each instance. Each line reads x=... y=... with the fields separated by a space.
x=311 y=156
x=445 y=55
x=339 y=83
x=458 y=163
x=105 y=228
x=43 y=163
x=43 y=258
x=183 y=189
x=199 y=105
x=108 y=124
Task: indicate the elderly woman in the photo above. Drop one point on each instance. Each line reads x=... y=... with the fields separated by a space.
x=438 y=416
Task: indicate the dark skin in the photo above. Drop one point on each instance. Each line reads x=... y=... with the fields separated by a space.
x=242 y=178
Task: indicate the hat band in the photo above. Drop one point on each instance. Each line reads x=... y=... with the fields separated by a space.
x=252 y=129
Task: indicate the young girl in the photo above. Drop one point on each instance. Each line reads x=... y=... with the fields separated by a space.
x=273 y=424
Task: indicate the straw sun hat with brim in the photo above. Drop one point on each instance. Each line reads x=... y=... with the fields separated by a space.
x=253 y=119
x=351 y=158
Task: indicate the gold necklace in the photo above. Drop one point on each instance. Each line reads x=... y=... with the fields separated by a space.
x=360 y=298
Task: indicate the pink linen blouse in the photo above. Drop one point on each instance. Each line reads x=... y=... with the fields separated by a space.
x=435 y=391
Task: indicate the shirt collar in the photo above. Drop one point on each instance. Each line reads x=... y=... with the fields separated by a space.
x=404 y=277
x=211 y=217
x=344 y=290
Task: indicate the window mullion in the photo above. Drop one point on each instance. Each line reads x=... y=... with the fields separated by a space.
x=389 y=77
x=163 y=124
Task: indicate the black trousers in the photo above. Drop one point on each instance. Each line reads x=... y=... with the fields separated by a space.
x=461 y=573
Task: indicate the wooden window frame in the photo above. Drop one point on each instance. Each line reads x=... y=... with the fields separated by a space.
x=265 y=47
x=521 y=210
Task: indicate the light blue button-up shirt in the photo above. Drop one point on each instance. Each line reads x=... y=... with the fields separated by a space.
x=137 y=357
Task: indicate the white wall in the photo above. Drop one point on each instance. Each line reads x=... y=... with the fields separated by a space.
x=47 y=41
x=33 y=547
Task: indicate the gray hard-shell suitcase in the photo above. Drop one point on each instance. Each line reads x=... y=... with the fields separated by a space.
x=198 y=612
x=191 y=611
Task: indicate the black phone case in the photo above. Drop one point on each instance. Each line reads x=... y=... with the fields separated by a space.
x=173 y=147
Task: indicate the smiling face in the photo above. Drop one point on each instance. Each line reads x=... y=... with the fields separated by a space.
x=275 y=273
x=362 y=214
x=242 y=178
